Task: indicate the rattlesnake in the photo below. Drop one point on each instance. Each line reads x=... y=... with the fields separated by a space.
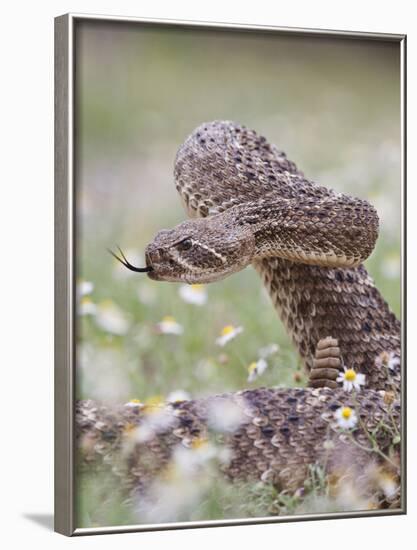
x=249 y=204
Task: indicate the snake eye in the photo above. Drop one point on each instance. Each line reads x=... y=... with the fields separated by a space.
x=186 y=244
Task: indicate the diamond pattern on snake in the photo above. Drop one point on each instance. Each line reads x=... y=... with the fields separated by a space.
x=249 y=205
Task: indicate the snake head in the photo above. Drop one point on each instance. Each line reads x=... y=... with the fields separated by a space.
x=201 y=250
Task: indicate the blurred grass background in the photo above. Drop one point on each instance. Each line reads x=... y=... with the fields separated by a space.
x=332 y=104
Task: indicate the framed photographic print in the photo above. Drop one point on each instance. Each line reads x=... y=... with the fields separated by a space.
x=229 y=290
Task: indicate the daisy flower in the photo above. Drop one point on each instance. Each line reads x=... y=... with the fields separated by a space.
x=111 y=318
x=177 y=396
x=84 y=288
x=228 y=333
x=346 y=417
x=154 y=403
x=256 y=368
x=169 y=325
x=134 y=403
x=193 y=294
x=156 y=418
x=86 y=306
x=190 y=458
x=388 y=360
x=351 y=379
x=225 y=415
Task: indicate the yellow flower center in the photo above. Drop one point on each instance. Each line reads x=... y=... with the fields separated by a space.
x=169 y=319
x=350 y=375
x=154 y=403
x=106 y=304
x=228 y=329
x=135 y=401
x=199 y=442
x=197 y=288
x=252 y=367
x=86 y=300
x=346 y=413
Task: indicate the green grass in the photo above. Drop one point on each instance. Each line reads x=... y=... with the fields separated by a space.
x=334 y=109
x=142 y=364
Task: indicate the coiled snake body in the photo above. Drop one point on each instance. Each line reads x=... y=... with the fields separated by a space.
x=249 y=204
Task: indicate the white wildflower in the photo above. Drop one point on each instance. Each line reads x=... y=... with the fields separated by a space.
x=388 y=360
x=188 y=459
x=157 y=418
x=225 y=415
x=86 y=306
x=84 y=288
x=134 y=403
x=256 y=368
x=111 y=318
x=143 y=433
x=170 y=499
x=346 y=417
x=193 y=294
x=177 y=396
x=228 y=333
x=169 y=325
x=351 y=380
x=181 y=486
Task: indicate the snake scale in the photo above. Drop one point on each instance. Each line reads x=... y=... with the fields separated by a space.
x=249 y=205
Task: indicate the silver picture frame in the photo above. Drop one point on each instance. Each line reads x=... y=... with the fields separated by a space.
x=65 y=265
